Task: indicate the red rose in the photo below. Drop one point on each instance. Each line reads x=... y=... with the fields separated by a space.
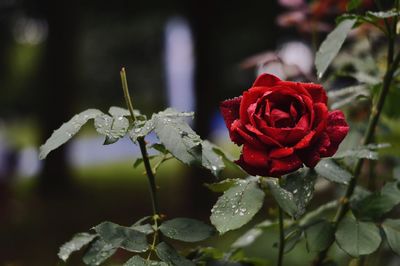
x=281 y=125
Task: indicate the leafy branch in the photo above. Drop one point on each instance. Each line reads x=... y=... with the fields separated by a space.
x=392 y=66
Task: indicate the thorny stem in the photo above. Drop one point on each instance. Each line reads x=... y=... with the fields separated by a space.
x=281 y=237
x=146 y=161
x=373 y=121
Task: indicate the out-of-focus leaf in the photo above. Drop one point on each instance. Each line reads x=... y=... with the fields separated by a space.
x=67 y=131
x=251 y=235
x=98 y=252
x=328 y=169
x=320 y=236
x=379 y=203
x=76 y=243
x=143 y=228
x=383 y=14
x=186 y=229
x=223 y=185
x=316 y=214
x=169 y=255
x=363 y=152
x=139 y=261
x=292 y=238
x=391 y=227
x=237 y=205
x=353 y=4
x=123 y=237
x=360 y=153
x=357 y=238
x=345 y=96
x=331 y=45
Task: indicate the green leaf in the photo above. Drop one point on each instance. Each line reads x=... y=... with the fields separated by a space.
x=142 y=220
x=383 y=14
x=316 y=214
x=143 y=228
x=328 y=169
x=118 y=111
x=360 y=153
x=168 y=254
x=379 y=203
x=113 y=128
x=301 y=185
x=292 y=238
x=223 y=185
x=139 y=261
x=237 y=205
x=183 y=143
x=67 y=131
x=98 y=252
x=284 y=198
x=123 y=237
x=251 y=235
x=187 y=230
x=210 y=159
x=247 y=238
x=331 y=45
x=391 y=227
x=363 y=152
x=228 y=158
x=159 y=147
x=179 y=139
x=357 y=238
x=76 y=243
x=353 y=4
x=320 y=236
x=141 y=129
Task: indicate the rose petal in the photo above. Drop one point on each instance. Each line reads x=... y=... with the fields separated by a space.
x=311 y=155
x=264 y=138
x=266 y=80
x=285 y=136
x=293 y=112
x=337 y=130
x=284 y=165
x=240 y=135
x=249 y=97
x=254 y=156
x=321 y=116
x=316 y=91
x=281 y=152
x=305 y=142
x=280 y=118
x=230 y=110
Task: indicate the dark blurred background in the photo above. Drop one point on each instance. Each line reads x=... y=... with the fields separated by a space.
x=58 y=58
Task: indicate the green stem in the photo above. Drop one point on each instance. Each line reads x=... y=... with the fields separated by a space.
x=145 y=156
x=281 y=237
x=373 y=121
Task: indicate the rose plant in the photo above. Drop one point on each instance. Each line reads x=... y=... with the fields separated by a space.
x=290 y=140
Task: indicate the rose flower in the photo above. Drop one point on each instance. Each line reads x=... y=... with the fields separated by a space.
x=282 y=125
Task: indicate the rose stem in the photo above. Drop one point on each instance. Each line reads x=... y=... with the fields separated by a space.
x=281 y=237
x=145 y=156
x=376 y=111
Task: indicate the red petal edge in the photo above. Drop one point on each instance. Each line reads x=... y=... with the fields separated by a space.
x=266 y=80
